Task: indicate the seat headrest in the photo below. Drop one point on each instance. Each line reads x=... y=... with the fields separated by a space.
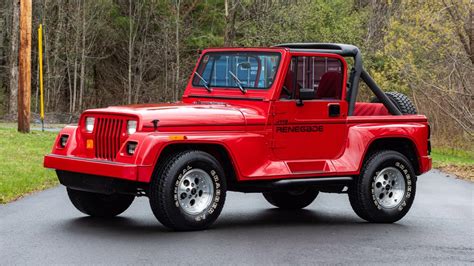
x=330 y=85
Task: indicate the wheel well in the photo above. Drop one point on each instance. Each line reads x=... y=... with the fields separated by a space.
x=402 y=145
x=216 y=150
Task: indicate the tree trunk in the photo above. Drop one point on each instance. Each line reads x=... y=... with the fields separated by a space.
x=4 y=35
x=175 y=92
x=69 y=83
x=74 y=86
x=130 y=53
x=141 y=65
x=76 y=52
x=230 y=13
x=83 y=57
x=13 y=101
x=470 y=31
x=166 y=66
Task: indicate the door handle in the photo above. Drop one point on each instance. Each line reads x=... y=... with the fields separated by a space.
x=334 y=110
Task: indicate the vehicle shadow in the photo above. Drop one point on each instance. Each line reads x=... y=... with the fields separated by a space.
x=121 y=224
x=278 y=217
x=268 y=219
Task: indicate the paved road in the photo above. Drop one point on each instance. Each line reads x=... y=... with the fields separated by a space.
x=45 y=229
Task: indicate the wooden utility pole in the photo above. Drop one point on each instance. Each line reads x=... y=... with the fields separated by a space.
x=24 y=86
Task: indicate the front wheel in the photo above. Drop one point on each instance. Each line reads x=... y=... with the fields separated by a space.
x=188 y=192
x=293 y=199
x=99 y=205
x=385 y=189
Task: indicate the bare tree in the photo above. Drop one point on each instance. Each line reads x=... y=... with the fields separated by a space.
x=13 y=106
x=381 y=13
x=5 y=21
x=463 y=25
x=131 y=43
x=83 y=57
x=177 y=22
x=230 y=12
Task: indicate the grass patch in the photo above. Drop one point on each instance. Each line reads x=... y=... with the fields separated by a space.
x=458 y=162
x=21 y=170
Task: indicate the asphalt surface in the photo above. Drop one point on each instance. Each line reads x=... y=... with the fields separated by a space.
x=44 y=228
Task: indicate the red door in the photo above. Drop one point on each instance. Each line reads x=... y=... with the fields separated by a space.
x=309 y=133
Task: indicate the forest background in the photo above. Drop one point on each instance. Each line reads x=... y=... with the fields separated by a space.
x=111 y=52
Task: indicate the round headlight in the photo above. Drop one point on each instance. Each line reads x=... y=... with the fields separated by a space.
x=90 y=124
x=131 y=126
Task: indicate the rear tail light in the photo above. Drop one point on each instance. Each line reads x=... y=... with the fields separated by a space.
x=429 y=141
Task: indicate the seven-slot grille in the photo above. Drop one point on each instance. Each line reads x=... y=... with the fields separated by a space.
x=107 y=137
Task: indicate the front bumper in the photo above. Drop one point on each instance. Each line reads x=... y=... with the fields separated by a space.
x=101 y=184
x=426 y=164
x=92 y=166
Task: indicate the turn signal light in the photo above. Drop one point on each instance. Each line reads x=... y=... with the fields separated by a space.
x=89 y=144
x=63 y=140
x=131 y=147
x=177 y=137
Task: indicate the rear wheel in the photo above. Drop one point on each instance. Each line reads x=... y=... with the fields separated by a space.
x=385 y=189
x=293 y=199
x=188 y=193
x=99 y=205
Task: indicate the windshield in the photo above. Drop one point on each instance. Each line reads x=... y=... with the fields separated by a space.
x=253 y=70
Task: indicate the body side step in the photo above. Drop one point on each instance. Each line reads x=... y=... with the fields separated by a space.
x=330 y=184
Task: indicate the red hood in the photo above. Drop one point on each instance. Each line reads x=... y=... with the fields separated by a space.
x=181 y=114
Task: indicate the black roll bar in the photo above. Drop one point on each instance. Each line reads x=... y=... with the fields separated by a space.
x=334 y=48
x=357 y=71
x=392 y=108
x=354 y=78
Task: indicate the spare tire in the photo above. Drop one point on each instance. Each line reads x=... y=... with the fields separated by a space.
x=404 y=104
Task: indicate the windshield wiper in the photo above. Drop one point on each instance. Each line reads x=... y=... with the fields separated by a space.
x=239 y=83
x=206 y=84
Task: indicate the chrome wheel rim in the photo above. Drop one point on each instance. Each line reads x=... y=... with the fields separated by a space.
x=195 y=191
x=389 y=187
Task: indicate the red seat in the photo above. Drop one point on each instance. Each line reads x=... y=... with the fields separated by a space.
x=330 y=86
x=368 y=109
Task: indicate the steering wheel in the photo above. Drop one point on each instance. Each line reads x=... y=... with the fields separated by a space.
x=286 y=90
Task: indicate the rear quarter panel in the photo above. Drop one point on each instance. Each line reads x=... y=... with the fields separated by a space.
x=362 y=131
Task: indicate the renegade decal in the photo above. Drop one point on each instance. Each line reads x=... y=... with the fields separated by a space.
x=299 y=129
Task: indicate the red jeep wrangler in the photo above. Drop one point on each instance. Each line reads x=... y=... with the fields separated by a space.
x=282 y=121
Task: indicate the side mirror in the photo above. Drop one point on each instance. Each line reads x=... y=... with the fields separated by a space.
x=305 y=94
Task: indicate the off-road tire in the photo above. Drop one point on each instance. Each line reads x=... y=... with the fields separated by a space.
x=291 y=200
x=99 y=205
x=163 y=192
x=404 y=104
x=362 y=192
